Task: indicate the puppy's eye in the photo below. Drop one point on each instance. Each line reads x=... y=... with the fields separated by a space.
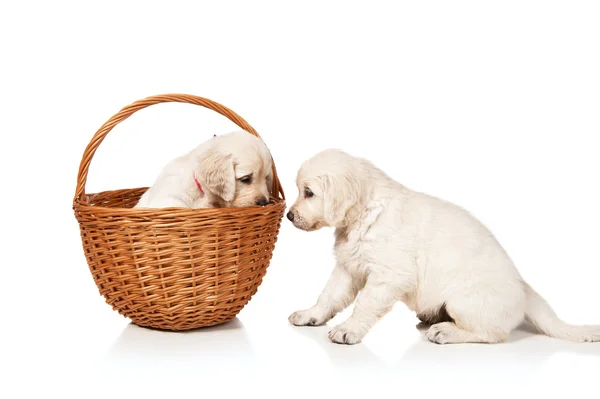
x=246 y=179
x=308 y=193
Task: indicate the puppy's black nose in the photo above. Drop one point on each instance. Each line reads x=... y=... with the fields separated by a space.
x=262 y=201
x=290 y=216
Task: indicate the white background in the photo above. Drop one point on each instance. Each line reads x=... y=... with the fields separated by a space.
x=491 y=105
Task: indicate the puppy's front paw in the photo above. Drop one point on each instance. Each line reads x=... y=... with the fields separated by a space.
x=306 y=318
x=347 y=334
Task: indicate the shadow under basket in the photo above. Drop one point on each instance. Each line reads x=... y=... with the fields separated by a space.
x=174 y=268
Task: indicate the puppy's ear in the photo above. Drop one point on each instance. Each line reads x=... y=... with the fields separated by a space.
x=217 y=174
x=270 y=184
x=340 y=194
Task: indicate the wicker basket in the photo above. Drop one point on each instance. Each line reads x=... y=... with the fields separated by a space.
x=174 y=269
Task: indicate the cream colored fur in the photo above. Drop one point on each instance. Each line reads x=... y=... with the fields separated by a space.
x=394 y=244
x=221 y=165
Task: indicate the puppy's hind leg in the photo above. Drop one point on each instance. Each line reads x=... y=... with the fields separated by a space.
x=433 y=316
x=481 y=318
x=450 y=333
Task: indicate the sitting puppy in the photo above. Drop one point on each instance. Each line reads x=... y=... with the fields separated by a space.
x=394 y=244
x=232 y=170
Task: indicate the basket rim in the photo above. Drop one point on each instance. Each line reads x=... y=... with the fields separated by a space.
x=82 y=204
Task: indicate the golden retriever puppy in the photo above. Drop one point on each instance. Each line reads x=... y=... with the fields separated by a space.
x=232 y=170
x=394 y=244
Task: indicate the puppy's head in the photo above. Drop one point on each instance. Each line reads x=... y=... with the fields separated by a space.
x=328 y=187
x=235 y=170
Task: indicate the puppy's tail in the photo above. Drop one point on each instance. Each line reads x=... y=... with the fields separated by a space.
x=543 y=318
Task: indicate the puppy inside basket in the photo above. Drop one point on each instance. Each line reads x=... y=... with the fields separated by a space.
x=231 y=170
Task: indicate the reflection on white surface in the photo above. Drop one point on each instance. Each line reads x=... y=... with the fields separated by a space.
x=260 y=353
x=230 y=346
x=519 y=363
x=139 y=347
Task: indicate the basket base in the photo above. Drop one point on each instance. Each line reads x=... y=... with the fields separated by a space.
x=187 y=328
x=193 y=320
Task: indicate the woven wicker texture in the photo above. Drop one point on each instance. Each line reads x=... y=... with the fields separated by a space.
x=174 y=269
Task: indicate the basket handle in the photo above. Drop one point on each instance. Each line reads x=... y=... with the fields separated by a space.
x=129 y=110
